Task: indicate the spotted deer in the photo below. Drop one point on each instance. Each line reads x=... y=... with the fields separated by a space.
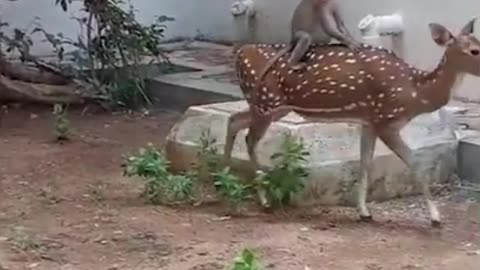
x=374 y=88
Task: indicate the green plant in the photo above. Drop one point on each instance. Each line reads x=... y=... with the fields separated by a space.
x=247 y=260
x=61 y=123
x=231 y=188
x=287 y=176
x=160 y=185
x=116 y=44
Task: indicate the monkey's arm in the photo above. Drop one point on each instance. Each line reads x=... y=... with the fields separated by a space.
x=329 y=24
x=340 y=23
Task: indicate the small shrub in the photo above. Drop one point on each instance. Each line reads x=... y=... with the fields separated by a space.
x=61 y=124
x=230 y=188
x=247 y=260
x=287 y=176
x=160 y=185
x=207 y=157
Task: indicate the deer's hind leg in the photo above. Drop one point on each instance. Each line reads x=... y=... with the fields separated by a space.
x=236 y=122
x=258 y=128
x=367 y=149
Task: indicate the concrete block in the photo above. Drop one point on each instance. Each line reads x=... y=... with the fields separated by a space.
x=468 y=165
x=334 y=148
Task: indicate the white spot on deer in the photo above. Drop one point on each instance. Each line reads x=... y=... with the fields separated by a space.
x=372 y=103
x=331 y=92
x=290 y=72
x=319 y=81
x=350 y=107
x=312 y=56
x=351 y=87
x=424 y=101
x=381 y=95
x=341 y=53
x=252 y=72
x=333 y=83
x=390 y=116
x=375 y=57
x=414 y=94
x=380 y=105
x=343 y=85
x=334 y=66
x=381 y=116
x=382 y=68
x=328 y=78
x=299 y=87
x=360 y=81
x=362 y=104
x=323 y=91
x=331 y=53
x=263 y=97
x=368 y=60
x=392 y=77
x=369 y=97
x=316 y=73
x=410 y=78
x=264 y=89
x=305 y=82
x=315 y=90
x=320 y=57
x=350 y=61
x=316 y=65
x=325 y=68
x=401 y=109
x=351 y=77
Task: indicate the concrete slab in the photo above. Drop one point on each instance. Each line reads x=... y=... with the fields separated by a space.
x=334 y=148
x=468 y=158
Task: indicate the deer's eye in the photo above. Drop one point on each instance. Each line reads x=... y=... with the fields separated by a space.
x=475 y=52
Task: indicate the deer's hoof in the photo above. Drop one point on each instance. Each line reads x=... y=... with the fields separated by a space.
x=366 y=219
x=436 y=224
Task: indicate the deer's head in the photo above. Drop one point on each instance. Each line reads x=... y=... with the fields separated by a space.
x=463 y=49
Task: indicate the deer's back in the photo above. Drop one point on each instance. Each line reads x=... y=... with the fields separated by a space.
x=336 y=79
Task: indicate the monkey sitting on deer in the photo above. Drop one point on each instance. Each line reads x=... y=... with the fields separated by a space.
x=313 y=22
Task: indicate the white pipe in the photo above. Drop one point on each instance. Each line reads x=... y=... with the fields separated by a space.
x=243 y=12
x=243 y=7
x=384 y=31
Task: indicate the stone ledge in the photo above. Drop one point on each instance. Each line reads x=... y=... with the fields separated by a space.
x=334 y=148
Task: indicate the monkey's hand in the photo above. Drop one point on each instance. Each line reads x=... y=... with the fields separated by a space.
x=354 y=46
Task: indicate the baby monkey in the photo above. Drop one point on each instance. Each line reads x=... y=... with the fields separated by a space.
x=314 y=21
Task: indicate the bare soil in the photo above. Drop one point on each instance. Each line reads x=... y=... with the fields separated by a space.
x=67 y=206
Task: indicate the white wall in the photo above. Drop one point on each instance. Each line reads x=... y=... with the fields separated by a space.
x=212 y=19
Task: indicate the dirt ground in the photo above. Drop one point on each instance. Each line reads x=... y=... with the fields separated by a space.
x=70 y=207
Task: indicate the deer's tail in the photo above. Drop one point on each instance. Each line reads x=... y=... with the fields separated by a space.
x=271 y=62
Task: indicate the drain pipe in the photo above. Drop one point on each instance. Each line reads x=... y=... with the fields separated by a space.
x=385 y=31
x=244 y=14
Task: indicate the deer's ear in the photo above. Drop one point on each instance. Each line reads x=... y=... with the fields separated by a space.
x=469 y=27
x=440 y=34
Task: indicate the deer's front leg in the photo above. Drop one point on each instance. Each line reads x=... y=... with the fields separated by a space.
x=391 y=137
x=367 y=149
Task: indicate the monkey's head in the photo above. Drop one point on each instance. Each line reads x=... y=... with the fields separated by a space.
x=463 y=49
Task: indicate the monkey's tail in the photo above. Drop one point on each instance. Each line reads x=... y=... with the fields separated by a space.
x=271 y=62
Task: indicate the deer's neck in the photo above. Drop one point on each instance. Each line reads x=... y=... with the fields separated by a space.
x=435 y=87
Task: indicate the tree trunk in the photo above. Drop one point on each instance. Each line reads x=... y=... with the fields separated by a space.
x=21 y=83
